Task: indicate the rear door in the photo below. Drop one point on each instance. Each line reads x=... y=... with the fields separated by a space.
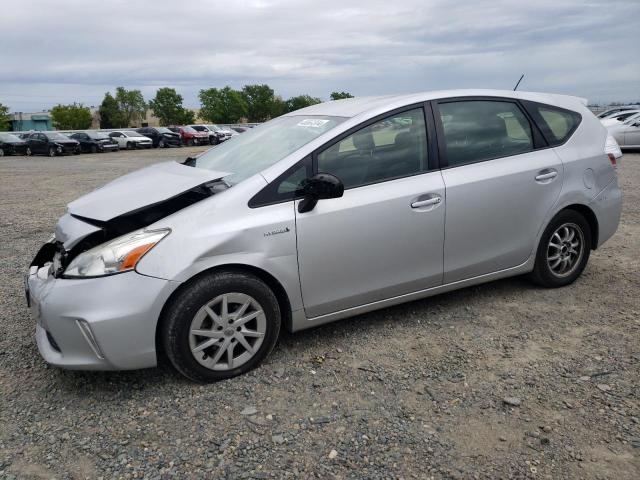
x=500 y=184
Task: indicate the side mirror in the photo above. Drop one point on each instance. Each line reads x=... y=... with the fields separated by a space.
x=320 y=187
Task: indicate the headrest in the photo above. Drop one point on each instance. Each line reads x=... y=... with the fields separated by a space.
x=363 y=140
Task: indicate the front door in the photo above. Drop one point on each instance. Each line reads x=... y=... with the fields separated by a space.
x=384 y=237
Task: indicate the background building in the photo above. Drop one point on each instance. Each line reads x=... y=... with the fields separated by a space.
x=21 y=121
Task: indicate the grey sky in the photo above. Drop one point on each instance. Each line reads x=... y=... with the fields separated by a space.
x=75 y=50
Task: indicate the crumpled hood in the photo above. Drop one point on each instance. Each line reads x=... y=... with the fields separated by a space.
x=140 y=189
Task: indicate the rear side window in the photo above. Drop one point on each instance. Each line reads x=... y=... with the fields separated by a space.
x=557 y=124
x=478 y=130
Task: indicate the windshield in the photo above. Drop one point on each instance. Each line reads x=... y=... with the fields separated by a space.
x=129 y=133
x=263 y=146
x=189 y=129
x=163 y=130
x=56 y=136
x=215 y=128
x=97 y=135
x=8 y=137
x=632 y=119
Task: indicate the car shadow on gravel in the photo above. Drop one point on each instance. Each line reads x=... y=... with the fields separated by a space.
x=106 y=384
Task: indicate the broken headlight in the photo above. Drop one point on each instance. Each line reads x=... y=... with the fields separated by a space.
x=118 y=255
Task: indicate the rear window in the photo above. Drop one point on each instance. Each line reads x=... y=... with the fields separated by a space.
x=557 y=124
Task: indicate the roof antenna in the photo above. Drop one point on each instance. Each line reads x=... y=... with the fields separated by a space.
x=516 y=87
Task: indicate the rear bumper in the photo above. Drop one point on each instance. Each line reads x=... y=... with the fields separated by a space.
x=607 y=205
x=106 y=323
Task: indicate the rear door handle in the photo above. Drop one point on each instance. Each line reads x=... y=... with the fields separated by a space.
x=546 y=175
x=425 y=203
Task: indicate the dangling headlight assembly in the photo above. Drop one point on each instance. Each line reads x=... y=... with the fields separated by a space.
x=119 y=255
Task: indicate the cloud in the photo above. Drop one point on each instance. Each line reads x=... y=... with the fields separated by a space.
x=77 y=49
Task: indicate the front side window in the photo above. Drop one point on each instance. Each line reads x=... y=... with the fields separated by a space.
x=477 y=130
x=390 y=148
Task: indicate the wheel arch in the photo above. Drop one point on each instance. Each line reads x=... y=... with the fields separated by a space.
x=591 y=219
x=273 y=283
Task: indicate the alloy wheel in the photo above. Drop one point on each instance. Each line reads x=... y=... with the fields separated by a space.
x=227 y=332
x=565 y=249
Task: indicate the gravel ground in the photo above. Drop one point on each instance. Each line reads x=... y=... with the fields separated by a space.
x=503 y=380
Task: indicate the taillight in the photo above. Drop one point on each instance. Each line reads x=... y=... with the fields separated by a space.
x=612 y=159
x=612 y=150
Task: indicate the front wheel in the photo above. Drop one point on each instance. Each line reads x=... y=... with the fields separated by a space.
x=1 y=152
x=220 y=326
x=129 y=146
x=161 y=144
x=28 y=152
x=52 y=151
x=563 y=251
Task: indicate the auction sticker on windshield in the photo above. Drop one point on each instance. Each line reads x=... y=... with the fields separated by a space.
x=312 y=122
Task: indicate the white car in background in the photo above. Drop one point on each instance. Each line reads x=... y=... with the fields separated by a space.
x=618 y=118
x=130 y=139
x=627 y=133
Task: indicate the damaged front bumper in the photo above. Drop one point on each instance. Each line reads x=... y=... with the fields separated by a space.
x=105 y=323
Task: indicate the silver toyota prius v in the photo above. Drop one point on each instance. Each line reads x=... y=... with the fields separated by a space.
x=322 y=214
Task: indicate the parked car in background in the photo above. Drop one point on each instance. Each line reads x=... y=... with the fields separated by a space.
x=51 y=143
x=190 y=136
x=321 y=215
x=94 y=142
x=627 y=133
x=215 y=136
x=161 y=136
x=228 y=133
x=617 y=118
x=239 y=129
x=614 y=110
x=12 y=145
x=129 y=139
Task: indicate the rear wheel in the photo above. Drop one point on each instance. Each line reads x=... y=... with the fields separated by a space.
x=161 y=144
x=190 y=142
x=129 y=145
x=28 y=152
x=220 y=326
x=563 y=251
x=94 y=149
x=1 y=152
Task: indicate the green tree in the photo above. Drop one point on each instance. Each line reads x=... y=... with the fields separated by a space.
x=71 y=117
x=301 y=101
x=278 y=107
x=167 y=106
x=110 y=114
x=259 y=100
x=224 y=105
x=131 y=105
x=340 y=95
x=4 y=118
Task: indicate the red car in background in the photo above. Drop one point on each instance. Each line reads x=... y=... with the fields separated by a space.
x=191 y=136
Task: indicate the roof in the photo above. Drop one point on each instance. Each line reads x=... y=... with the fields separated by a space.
x=352 y=107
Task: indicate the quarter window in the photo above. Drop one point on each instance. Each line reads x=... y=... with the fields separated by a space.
x=390 y=148
x=557 y=124
x=479 y=130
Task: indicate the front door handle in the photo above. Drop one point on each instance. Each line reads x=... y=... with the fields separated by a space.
x=546 y=175
x=425 y=203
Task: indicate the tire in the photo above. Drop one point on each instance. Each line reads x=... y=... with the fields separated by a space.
x=190 y=142
x=129 y=146
x=1 y=152
x=556 y=267
x=28 y=152
x=187 y=312
x=52 y=152
x=161 y=144
x=94 y=149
